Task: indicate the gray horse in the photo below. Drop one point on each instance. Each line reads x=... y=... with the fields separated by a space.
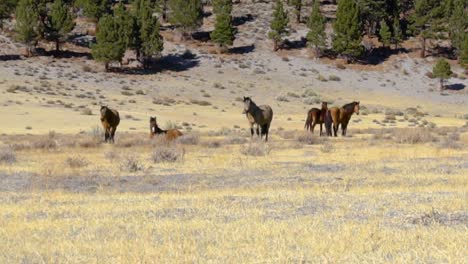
x=259 y=115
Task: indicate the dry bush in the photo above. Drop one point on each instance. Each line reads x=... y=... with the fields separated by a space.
x=413 y=136
x=170 y=153
x=234 y=140
x=130 y=163
x=256 y=148
x=7 y=155
x=307 y=138
x=111 y=155
x=128 y=141
x=334 y=78
x=327 y=147
x=224 y=131
x=48 y=142
x=189 y=139
x=213 y=144
x=76 y=162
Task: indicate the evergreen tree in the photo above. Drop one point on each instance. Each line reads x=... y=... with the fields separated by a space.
x=371 y=13
x=223 y=34
x=124 y=23
x=95 y=9
x=108 y=45
x=152 y=42
x=316 y=36
x=385 y=34
x=442 y=71
x=297 y=4
x=278 y=25
x=427 y=21
x=60 y=23
x=397 y=35
x=458 y=22
x=6 y=9
x=463 y=58
x=187 y=14
x=222 y=6
x=348 y=29
x=27 y=26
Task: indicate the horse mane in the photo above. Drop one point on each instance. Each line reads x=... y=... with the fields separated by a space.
x=349 y=107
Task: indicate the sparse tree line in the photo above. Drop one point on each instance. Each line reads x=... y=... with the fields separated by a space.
x=122 y=26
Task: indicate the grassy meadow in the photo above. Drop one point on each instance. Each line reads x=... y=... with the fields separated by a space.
x=394 y=195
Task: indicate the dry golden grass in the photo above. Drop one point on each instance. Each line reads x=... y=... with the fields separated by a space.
x=359 y=202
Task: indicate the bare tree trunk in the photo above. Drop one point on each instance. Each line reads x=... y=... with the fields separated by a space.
x=57 y=45
x=423 y=47
x=441 y=84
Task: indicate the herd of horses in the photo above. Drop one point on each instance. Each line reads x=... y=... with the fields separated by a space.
x=259 y=118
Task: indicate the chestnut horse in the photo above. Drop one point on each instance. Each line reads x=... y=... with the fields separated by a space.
x=316 y=116
x=110 y=119
x=340 y=116
x=170 y=134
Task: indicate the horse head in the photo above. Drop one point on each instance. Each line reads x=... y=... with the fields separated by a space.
x=356 y=107
x=324 y=105
x=153 y=124
x=103 y=111
x=247 y=104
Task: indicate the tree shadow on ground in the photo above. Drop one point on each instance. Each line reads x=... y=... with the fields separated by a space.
x=379 y=55
x=203 y=36
x=241 y=20
x=10 y=57
x=242 y=49
x=455 y=87
x=294 y=44
x=171 y=62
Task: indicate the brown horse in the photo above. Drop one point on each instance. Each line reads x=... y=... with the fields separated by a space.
x=170 y=134
x=316 y=116
x=261 y=115
x=110 y=119
x=340 y=116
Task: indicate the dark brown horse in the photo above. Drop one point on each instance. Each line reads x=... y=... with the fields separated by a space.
x=261 y=115
x=170 y=134
x=110 y=119
x=340 y=116
x=316 y=116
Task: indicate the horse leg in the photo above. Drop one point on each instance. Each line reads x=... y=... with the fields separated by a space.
x=335 y=129
x=321 y=129
x=258 y=130
x=312 y=127
x=251 y=130
x=267 y=128
x=106 y=135
x=113 y=133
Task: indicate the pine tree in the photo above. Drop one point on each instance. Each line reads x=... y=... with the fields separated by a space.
x=427 y=21
x=223 y=34
x=278 y=25
x=463 y=58
x=95 y=9
x=124 y=23
x=458 y=22
x=316 y=36
x=108 y=46
x=348 y=29
x=187 y=14
x=220 y=6
x=59 y=23
x=442 y=71
x=297 y=4
x=6 y=9
x=385 y=34
x=27 y=26
x=397 y=35
x=152 y=42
